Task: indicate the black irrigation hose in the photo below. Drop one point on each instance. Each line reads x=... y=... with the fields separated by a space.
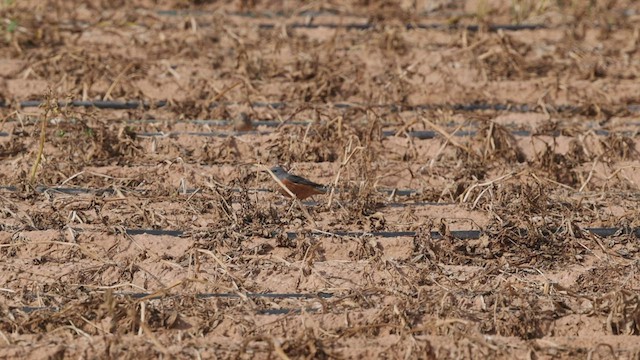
x=436 y=235
x=100 y=192
x=100 y=104
x=409 y=26
x=417 y=134
x=280 y=311
x=273 y=123
x=252 y=14
x=314 y=13
x=63 y=190
x=286 y=311
x=79 y=191
x=350 y=25
x=129 y=105
x=110 y=191
x=321 y=295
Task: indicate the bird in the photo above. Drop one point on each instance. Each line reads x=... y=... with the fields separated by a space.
x=243 y=123
x=299 y=186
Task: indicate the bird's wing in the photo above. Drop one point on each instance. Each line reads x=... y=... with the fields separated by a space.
x=300 y=180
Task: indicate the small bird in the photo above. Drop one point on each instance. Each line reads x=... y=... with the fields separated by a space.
x=299 y=186
x=243 y=123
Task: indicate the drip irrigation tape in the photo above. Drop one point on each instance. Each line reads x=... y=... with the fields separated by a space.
x=322 y=295
x=356 y=26
x=220 y=134
x=30 y=309
x=269 y=14
x=64 y=190
x=474 y=234
x=418 y=134
x=263 y=14
x=281 y=311
x=127 y=105
x=110 y=191
x=369 y=26
x=421 y=134
x=155 y=232
x=99 y=192
x=82 y=191
x=100 y=104
x=458 y=234
x=286 y=311
x=272 y=123
x=301 y=122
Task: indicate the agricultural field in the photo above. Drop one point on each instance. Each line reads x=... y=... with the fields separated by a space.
x=482 y=160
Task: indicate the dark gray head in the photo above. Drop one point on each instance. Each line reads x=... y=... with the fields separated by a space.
x=279 y=172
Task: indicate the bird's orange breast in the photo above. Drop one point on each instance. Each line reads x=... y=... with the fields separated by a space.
x=301 y=191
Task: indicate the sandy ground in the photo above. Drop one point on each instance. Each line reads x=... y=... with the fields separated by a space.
x=152 y=231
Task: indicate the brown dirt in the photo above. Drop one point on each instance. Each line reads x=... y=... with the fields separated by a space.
x=71 y=268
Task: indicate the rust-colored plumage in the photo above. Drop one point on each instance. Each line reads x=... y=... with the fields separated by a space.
x=299 y=186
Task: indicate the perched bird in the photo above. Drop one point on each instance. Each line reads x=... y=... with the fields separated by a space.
x=243 y=123
x=299 y=186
